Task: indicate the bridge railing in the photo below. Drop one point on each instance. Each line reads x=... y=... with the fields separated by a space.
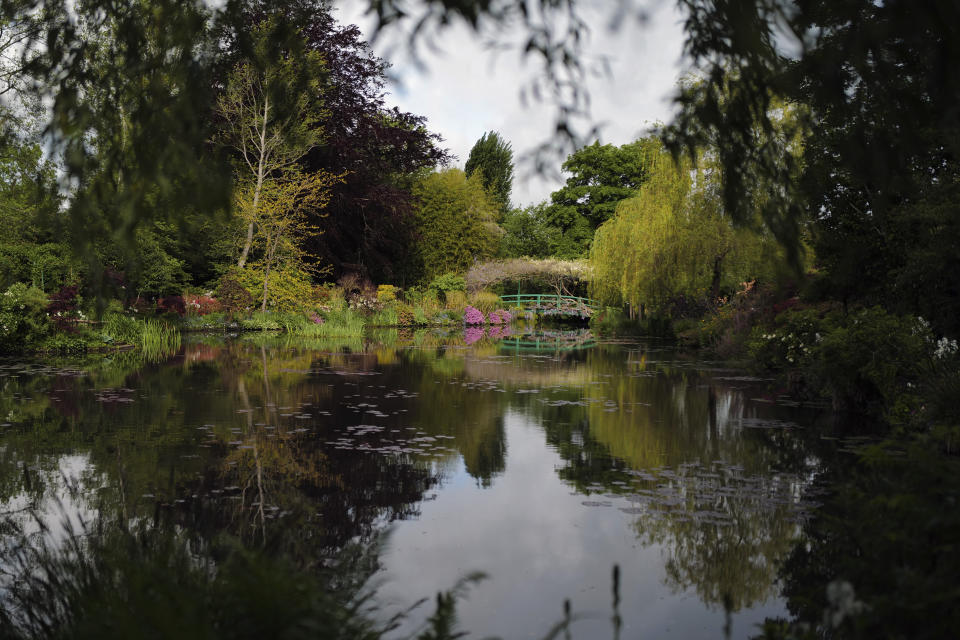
x=547 y=299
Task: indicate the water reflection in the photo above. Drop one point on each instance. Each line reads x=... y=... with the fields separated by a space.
x=541 y=460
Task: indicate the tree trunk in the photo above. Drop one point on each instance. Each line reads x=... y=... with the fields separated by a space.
x=261 y=170
x=266 y=282
x=715 y=284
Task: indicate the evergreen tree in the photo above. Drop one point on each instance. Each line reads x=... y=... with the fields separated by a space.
x=492 y=158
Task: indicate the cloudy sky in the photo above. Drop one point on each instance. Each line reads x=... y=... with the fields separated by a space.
x=464 y=90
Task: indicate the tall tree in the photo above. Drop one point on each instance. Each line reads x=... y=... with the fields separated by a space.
x=129 y=89
x=674 y=239
x=601 y=177
x=454 y=222
x=368 y=223
x=281 y=217
x=492 y=157
x=270 y=114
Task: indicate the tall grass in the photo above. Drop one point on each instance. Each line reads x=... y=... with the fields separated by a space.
x=337 y=324
x=107 y=581
x=156 y=339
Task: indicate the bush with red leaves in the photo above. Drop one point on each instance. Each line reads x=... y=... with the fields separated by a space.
x=174 y=304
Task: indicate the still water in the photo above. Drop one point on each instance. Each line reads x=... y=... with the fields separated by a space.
x=412 y=461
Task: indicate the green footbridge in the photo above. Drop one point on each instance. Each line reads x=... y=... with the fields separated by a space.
x=551 y=304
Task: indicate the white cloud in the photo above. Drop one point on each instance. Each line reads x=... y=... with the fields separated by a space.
x=465 y=90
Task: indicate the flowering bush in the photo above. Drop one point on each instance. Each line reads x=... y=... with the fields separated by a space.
x=473 y=315
x=500 y=316
x=790 y=344
x=315 y=318
x=363 y=303
x=874 y=363
x=201 y=304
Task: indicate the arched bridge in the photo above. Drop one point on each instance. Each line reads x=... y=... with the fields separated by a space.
x=551 y=304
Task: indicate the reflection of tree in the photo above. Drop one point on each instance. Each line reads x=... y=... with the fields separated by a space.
x=471 y=414
x=157 y=441
x=726 y=537
x=719 y=499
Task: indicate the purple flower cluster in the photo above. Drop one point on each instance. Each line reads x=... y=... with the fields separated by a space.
x=316 y=318
x=472 y=315
x=500 y=316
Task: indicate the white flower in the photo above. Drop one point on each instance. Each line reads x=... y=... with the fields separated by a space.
x=945 y=347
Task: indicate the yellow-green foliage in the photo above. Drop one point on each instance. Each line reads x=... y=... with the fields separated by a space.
x=486 y=301
x=386 y=293
x=455 y=221
x=289 y=289
x=674 y=239
x=456 y=300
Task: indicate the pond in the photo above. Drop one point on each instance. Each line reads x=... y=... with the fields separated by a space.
x=542 y=461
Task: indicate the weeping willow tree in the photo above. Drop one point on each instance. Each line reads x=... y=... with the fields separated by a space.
x=673 y=241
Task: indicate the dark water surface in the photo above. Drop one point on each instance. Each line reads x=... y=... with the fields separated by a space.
x=540 y=462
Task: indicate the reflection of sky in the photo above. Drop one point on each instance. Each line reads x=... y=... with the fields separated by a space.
x=540 y=545
x=60 y=510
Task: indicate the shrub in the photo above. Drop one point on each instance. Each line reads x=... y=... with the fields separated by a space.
x=172 y=304
x=233 y=297
x=406 y=316
x=62 y=308
x=501 y=316
x=456 y=300
x=486 y=301
x=386 y=293
x=473 y=316
x=289 y=289
x=327 y=293
x=23 y=318
x=874 y=363
x=444 y=284
x=791 y=343
x=201 y=304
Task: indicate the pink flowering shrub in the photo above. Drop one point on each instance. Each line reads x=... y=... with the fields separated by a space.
x=500 y=316
x=316 y=318
x=472 y=315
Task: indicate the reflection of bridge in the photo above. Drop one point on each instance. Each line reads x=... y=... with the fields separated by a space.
x=551 y=304
x=551 y=341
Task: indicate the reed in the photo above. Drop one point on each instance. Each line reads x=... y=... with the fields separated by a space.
x=158 y=339
x=342 y=324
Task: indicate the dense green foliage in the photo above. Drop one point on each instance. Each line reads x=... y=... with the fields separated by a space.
x=492 y=159
x=529 y=232
x=601 y=177
x=673 y=241
x=455 y=222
